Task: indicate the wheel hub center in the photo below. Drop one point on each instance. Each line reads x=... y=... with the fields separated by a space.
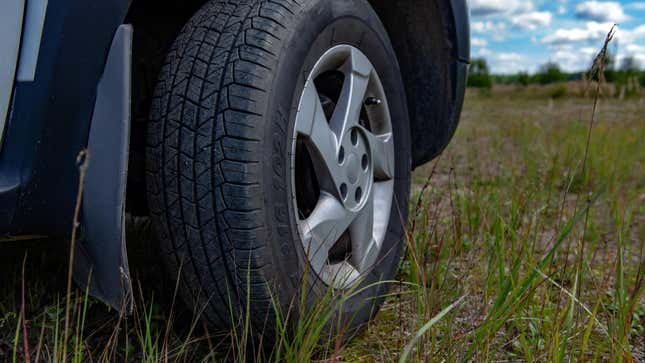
x=356 y=167
x=353 y=168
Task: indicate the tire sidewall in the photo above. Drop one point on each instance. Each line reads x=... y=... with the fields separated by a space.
x=321 y=25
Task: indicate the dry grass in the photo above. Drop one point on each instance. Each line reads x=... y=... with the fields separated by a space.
x=500 y=197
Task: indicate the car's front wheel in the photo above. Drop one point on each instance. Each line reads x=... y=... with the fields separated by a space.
x=279 y=159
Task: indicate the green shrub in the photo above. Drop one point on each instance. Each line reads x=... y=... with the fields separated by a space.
x=550 y=73
x=479 y=74
x=523 y=78
x=558 y=91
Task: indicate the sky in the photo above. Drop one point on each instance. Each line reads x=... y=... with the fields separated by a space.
x=521 y=35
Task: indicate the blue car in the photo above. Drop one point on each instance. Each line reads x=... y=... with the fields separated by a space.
x=270 y=142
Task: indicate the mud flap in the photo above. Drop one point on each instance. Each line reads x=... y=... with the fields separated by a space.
x=101 y=258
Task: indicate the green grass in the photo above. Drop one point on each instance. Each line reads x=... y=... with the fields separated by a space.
x=515 y=252
x=547 y=254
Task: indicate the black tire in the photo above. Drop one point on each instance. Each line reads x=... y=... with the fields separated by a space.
x=218 y=156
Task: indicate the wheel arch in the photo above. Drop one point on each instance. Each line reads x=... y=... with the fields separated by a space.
x=432 y=42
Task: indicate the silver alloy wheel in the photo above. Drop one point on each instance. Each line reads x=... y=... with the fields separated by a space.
x=352 y=154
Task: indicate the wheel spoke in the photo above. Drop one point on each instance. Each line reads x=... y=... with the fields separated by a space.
x=323 y=228
x=357 y=70
x=382 y=155
x=382 y=206
x=312 y=123
x=364 y=247
x=341 y=273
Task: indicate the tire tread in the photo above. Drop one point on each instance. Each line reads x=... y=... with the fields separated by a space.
x=205 y=138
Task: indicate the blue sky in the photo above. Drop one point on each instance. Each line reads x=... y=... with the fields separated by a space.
x=520 y=35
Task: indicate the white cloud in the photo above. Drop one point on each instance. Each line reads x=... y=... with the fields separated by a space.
x=575 y=48
x=601 y=11
x=494 y=30
x=577 y=59
x=478 y=42
x=510 y=57
x=631 y=36
x=532 y=20
x=636 y=6
x=505 y=62
x=493 y=7
x=635 y=51
x=572 y=58
x=486 y=26
x=592 y=32
x=483 y=52
x=553 y=32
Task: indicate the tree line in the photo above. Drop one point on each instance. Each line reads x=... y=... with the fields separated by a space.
x=626 y=74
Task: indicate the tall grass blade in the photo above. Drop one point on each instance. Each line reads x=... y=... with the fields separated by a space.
x=424 y=329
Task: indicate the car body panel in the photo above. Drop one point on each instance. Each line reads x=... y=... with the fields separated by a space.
x=50 y=117
x=49 y=125
x=11 y=15
x=34 y=22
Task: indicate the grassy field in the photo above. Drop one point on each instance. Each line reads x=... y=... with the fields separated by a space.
x=527 y=244
x=545 y=254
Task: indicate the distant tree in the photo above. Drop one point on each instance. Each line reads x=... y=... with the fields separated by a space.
x=629 y=78
x=479 y=75
x=611 y=73
x=550 y=73
x=630 y=65
x=523 y=78
x=610 y=61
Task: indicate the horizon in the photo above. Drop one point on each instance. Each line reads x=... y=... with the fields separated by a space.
x=521 y=35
